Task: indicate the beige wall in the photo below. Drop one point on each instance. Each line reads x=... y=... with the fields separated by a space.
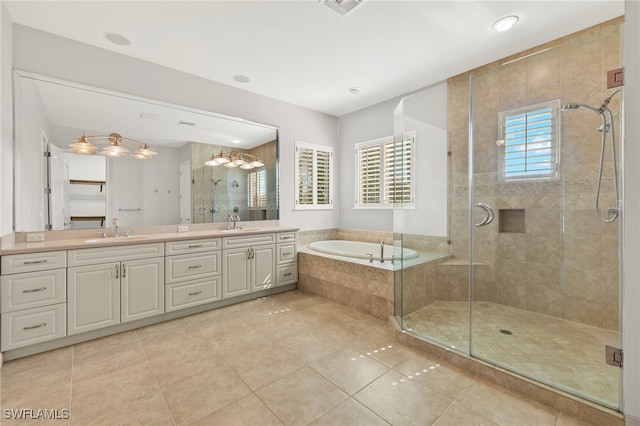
x=565 y=263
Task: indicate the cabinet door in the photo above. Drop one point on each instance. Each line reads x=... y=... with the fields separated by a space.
x=93 y=297
x=263 y=265
x=235 y=272
x=142 y=288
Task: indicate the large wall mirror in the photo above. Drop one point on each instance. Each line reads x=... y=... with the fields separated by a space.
x=58 y=189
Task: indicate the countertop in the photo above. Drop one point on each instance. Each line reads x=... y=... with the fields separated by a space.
x=80 y=243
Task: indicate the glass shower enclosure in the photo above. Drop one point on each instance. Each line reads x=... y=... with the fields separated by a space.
x=524 y=202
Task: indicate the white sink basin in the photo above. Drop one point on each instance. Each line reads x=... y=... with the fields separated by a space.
x=111 y=239
x=242 y=230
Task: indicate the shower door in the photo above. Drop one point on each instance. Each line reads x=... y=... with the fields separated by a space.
x=544 y=268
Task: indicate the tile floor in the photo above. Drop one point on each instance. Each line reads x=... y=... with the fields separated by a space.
x=562 y=353
x=292 y=358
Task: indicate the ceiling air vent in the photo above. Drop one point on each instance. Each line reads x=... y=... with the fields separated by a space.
x=343 y=6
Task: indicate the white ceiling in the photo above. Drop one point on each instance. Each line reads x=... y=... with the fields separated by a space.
x=304 y=53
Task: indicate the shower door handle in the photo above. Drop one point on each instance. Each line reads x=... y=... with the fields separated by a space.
x=490 y=214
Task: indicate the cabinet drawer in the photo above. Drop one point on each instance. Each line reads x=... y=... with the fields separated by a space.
x=248 y=240
x=286 y=274
x=287 y=253
x=30 y=262
x=187 y=267
x=33 y=289
x=92 y=256
x=23 y=328
x=192 y=293
x=192 y=246
x=286 y=237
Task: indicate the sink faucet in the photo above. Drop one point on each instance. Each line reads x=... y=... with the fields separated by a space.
x=236 y=220
x=381 y=251
x=116 y=225
x=232 y=219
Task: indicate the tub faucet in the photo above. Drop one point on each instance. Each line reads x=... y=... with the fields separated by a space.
x=381 y=251
x=116 y=225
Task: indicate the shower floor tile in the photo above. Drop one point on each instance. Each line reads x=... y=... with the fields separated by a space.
x=564 y=354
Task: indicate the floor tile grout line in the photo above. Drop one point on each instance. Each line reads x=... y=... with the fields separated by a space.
x=457 y=397
x=156 y=379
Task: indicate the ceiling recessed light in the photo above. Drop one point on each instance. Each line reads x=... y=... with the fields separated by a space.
x=241 y=78
x=354 y=90
x=118 y=39
x=235 y=141
x=504 y=24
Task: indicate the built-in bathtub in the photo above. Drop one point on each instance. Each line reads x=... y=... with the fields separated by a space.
x=362 y=250
x=351 y=272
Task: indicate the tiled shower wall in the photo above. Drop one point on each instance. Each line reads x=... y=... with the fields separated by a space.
x=213 y=202
x=565 y=263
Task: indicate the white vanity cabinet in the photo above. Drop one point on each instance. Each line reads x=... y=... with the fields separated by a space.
x=248 y=264
x=192 y=275
x=32 y=298
x=287 y=264
x=110 y=285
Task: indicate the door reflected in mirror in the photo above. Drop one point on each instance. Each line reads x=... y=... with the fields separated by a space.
x=174 y=186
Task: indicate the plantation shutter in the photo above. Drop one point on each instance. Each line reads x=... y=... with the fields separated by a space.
x=398 y=170
x=305 y=175
x=257 y=183
x=314 y=165
x=530 y=142
x=323 y=165
x=369 y=161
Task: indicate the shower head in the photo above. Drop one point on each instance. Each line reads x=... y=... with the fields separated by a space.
x=567 y=107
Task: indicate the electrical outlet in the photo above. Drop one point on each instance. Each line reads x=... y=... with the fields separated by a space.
x=35 y=237
x=183 y=228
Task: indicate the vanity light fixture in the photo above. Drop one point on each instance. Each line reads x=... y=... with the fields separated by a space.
x=505 y=23
x=114 y=147
x=234 y=159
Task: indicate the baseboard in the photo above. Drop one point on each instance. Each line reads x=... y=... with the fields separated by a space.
x=632 y=420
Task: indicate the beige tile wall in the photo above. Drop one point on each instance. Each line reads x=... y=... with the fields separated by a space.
x=565 y=264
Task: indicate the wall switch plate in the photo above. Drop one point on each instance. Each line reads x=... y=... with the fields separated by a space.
x=35 y=237
x=183 y=228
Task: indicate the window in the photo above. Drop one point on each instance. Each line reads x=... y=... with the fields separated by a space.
x=257 y=185
x=313 y=176
x=529 y=145
x=384 y=172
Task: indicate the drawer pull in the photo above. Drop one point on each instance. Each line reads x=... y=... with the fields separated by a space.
x=287 y=237
x=288 y=274
x=195 y=293
x=31 y=327
x=34 y=290
x=33 y=262
x=195 y=266
x=287 y=254
x=195 y=245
